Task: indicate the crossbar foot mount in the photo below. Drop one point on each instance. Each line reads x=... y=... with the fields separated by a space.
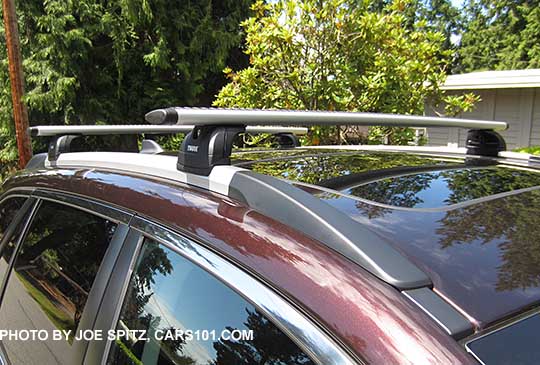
x=59 y=145
x=207 y=146
x=484 y=142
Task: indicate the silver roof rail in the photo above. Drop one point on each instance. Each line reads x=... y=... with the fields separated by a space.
x=296 y=208
x=222 y=117
x=272 y=197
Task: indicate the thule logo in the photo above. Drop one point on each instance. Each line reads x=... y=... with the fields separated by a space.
x=191 y=148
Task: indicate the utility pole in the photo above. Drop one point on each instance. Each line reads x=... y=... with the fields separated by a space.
x=16 y=77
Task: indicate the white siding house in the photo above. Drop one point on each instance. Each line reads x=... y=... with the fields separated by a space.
x=509 y=96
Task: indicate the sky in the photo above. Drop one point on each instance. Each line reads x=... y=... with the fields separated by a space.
x=457 y=3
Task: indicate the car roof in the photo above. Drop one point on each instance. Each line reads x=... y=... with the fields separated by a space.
x=416 y=218
x=322 y=282
x=469 y=223
x=316 y=194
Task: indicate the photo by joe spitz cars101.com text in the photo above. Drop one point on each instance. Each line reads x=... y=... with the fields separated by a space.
x=288 y=255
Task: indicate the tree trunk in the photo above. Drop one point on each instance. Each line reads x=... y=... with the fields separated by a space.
x=16 y=77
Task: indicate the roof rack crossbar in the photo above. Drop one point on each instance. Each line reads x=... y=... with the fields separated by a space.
x=97 y=130
x=218 y=116
x=211 y=131
x=210 y=143
x=63 y=136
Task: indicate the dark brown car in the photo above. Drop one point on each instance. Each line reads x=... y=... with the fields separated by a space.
x=355 y=255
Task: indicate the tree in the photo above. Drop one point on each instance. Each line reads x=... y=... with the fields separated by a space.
x=269 y=346
x=439 y=16
x=514 y=233
x=95 y=61
x=337 y=55
x=499 y=35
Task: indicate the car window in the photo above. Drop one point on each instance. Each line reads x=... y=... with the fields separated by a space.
x=177 y=313
x=439 y=188
x=52 y=275
x=8 y=209
x=517 y=343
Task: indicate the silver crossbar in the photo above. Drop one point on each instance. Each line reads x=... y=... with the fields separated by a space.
x=217 y=116
x=88 y=130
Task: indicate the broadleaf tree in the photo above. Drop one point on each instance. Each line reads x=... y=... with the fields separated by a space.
x=340 y=55
x=440 y=16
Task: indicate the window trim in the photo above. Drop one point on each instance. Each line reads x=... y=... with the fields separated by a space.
x=25 y=217
x=81 y=202
x=19 y=216
x=87 y=205
x=312 y=339
x=100 y=285
x=113 y=298
x=121 y=218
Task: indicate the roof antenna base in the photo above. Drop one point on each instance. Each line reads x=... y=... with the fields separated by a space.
x=484 y=142
x=207 y=146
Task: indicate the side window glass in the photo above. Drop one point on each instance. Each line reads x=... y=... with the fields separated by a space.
x=8 y=210
x=177 y=313
x=52 y=275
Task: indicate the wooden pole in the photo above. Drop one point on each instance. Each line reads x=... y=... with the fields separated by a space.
x=16 y=77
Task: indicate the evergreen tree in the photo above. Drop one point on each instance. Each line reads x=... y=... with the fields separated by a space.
x=500 y=35
x=96 y=61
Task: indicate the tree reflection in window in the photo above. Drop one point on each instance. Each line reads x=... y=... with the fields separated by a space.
x=8 y=210
x=168 y=293
x=511 y=223
x=323 y=168
x=445 y=187
x=59 y=260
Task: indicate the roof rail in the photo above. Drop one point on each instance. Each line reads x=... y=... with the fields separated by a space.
x=272 y=197
x=296 y=208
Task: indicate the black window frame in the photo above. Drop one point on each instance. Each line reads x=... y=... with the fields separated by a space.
x=21 y=214
x=101 y=282
x=24 y=217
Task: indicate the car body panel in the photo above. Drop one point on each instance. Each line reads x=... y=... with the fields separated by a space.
x=484 y=257
x=373 y=319
x=471 y=225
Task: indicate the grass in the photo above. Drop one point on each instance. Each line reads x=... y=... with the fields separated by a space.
x=57 y=316
x=128 y=353
x=533 y=150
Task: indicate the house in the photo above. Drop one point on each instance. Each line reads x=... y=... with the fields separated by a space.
x=509 y=96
